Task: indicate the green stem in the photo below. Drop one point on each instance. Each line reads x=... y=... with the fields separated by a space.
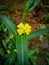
x=23 y=17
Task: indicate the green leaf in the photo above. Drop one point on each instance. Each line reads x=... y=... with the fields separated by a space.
x=2 y=7
x=22 y=50
x=30 y=5
x=47 y=53
x=8 y=23
x=11 y=58
x=47 y=60
x=1 y=52
x=27 y=5
x=37 y=33
x=36 y=2
x=33 y=52
x=4 y=44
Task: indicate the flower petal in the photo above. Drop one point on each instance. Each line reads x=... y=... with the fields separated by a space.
x=21 y=25
x=27 y=26
x=20 y=31
x=27 y=31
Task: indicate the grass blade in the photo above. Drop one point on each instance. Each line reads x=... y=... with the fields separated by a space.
x=11 y=58
x=36 y=2
x=8 y=23
x=22 y=48
x=37 y=33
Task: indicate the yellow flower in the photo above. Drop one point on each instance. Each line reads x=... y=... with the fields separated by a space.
x=21 y=25
x=20 y=31
x=23 y=28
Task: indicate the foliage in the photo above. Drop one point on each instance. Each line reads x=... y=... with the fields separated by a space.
x=22 y=53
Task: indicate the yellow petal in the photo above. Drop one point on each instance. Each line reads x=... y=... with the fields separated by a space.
x=21 y=25
x=27 y=31
x=27 y=26
x=20 y=31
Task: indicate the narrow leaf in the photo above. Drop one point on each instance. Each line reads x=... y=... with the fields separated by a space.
x=22 y=48
x=8 y=23
x=36 y=2
x=33 y=52
x=37 y=33
x=10 y=59
x=28 y=4
x=4 y=44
